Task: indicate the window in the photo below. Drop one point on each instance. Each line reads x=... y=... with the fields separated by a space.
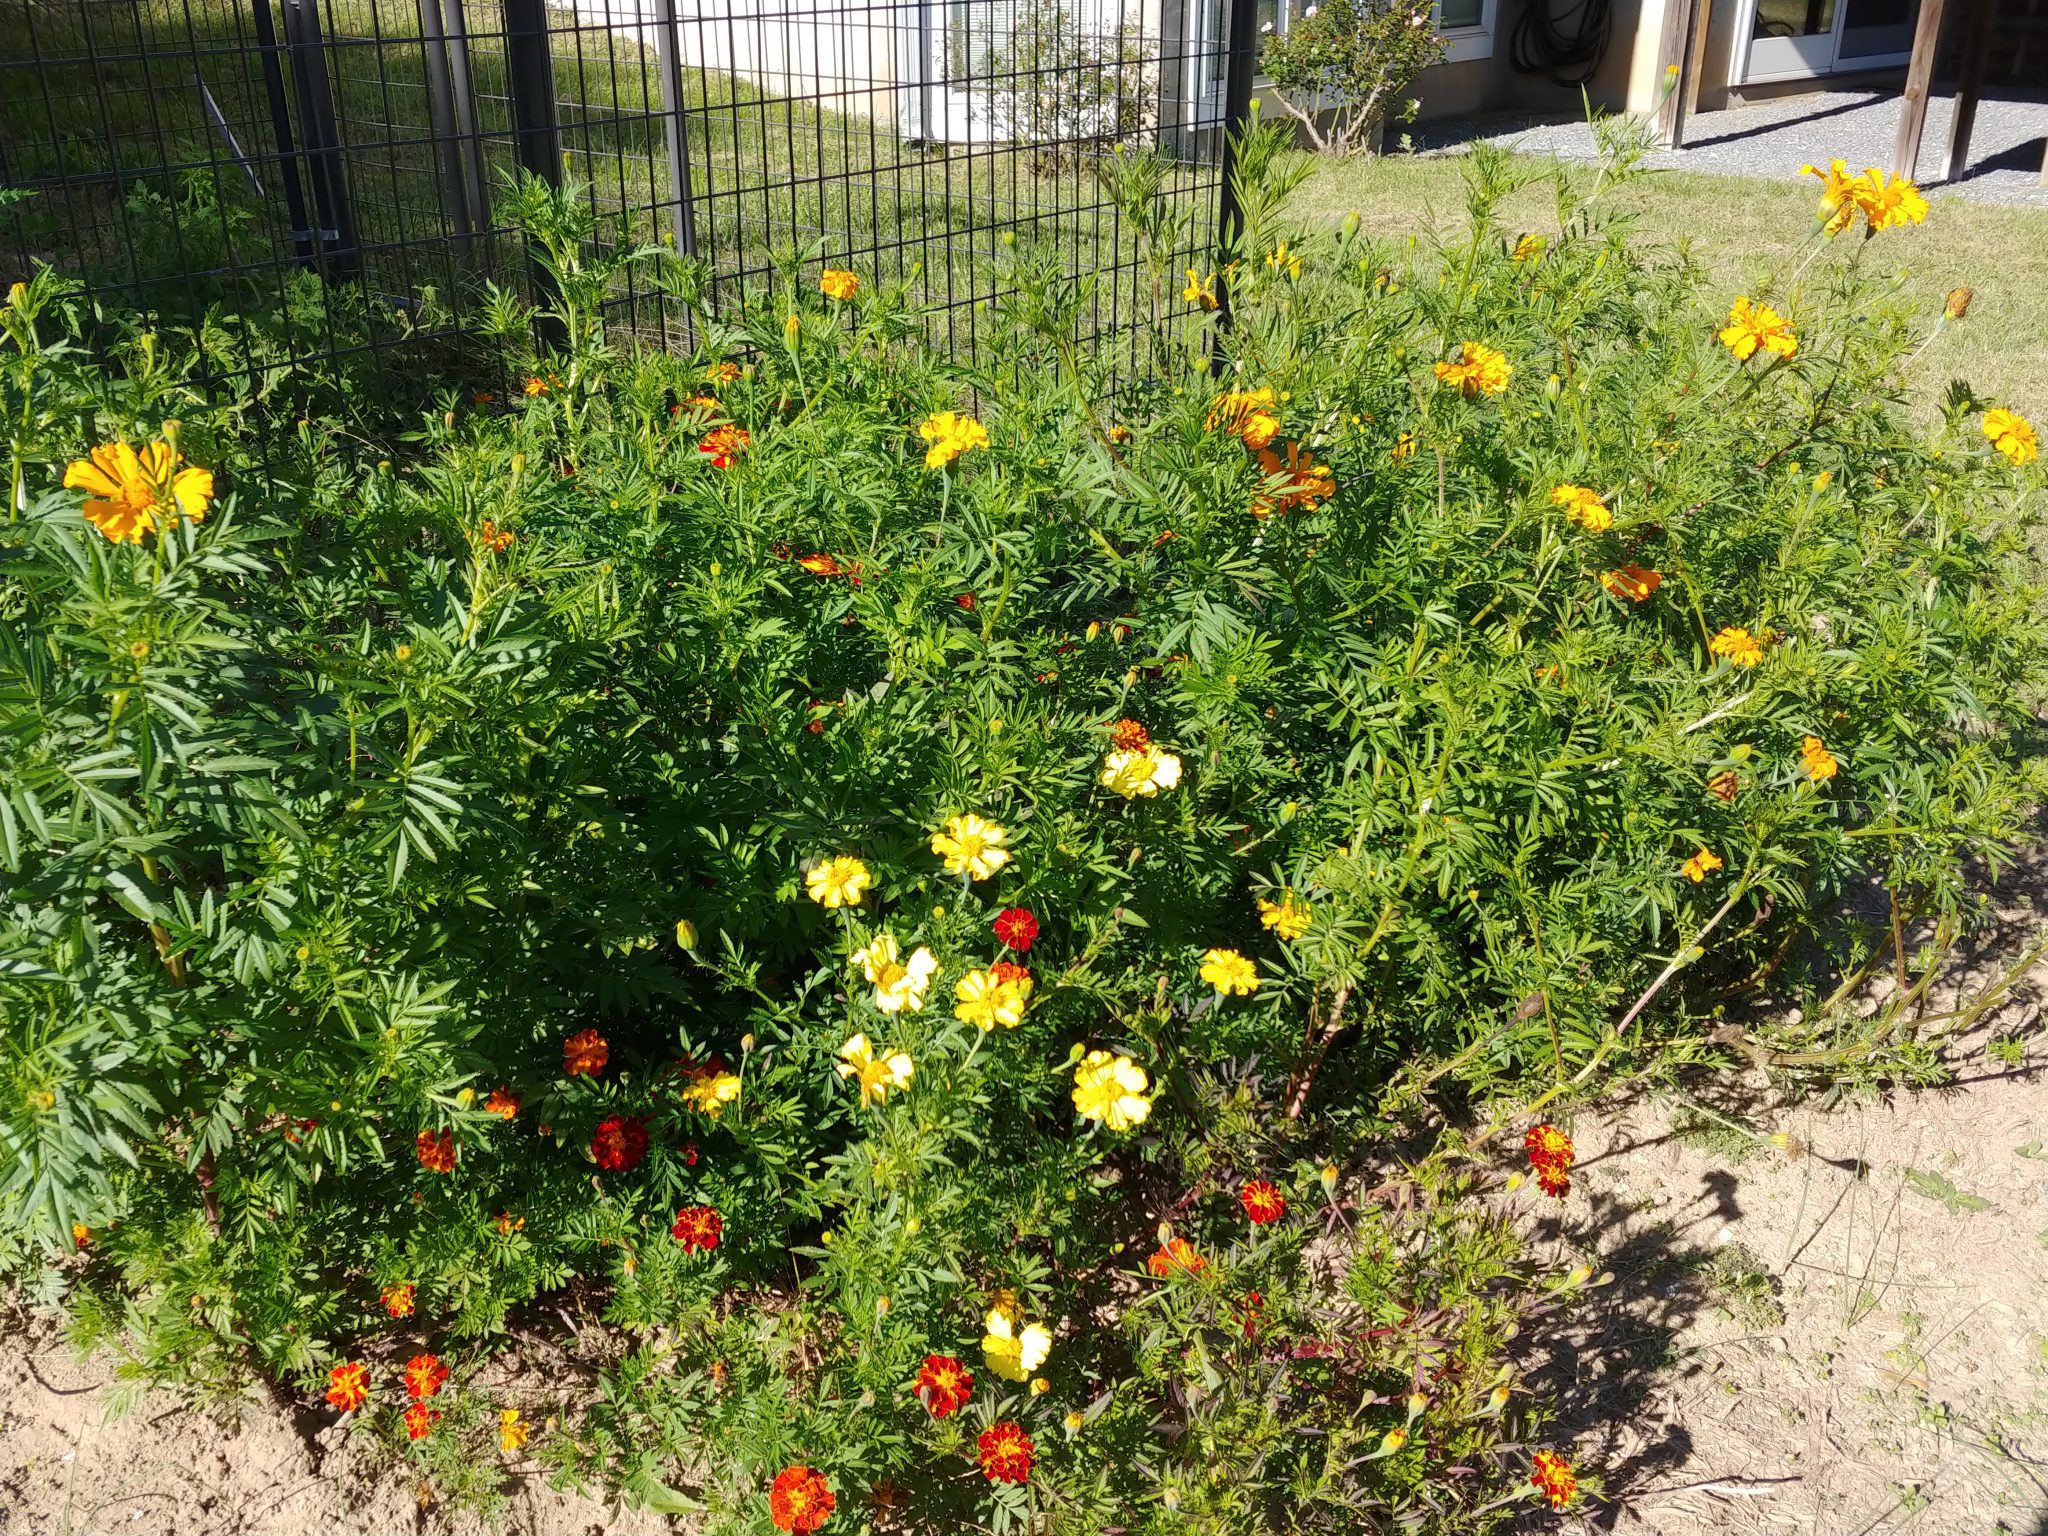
x=1466 y=24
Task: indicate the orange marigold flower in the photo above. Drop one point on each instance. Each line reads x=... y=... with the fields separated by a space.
x=420 y=1421
x=618 y=1143
x=1723 y=785
x=1006 y=1453
x=1307 y=483
x=722 y=373
x=1551 y=1154
x=1551 y=1475
x=1818 y=761
x=503 y=1102
x=436 y=1150
x=1007 y=973
x=838 y=283
x=1633 y=582
x=800 y=1500
x=1246 y=414
x=425 y=1375
x=1584 y=507
x=490 y=536
x=348 y=1386
x=1262 y=1201
x=822 y=565
x=1176 y=1254
x=131 y=493
x=1479 y=371
x=1700 y=865
x=585 y=1053
x=1738 y=645
x=943 y=1384
x=397 y=1299
x=722 y=445
x=1127 y=735
x=698 y=1228
x=536 y=386
x=1754 y=326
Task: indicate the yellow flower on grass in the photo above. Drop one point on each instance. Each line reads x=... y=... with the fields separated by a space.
x=1111 y=1089
x=129 y=494
x=948 y=434
x=1751 y=326
x=878 y=1076
x=1700 y=865
x=1287 y=917
x=838 y=881
x=1738 y=645
x=513 y=1430
x=899 y=983
x=1200 y=289
x=971 y=846
x=1584 y=507
x=1837 y=194
x=1012 y=1347
x=838 y=283
x=1818 y=761
x=711 y=1092
x=984 y=999
x=1140 y=774
x=2012 y=435
x=1479 y=371
x=1230 y=973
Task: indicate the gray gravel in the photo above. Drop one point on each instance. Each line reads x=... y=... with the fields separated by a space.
x=1775 y=138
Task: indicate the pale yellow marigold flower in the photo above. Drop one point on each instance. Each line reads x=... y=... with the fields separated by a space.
x=1584 y=507
x=971 y=846
x=711 y=1092
x=512 y=1430
x=949 y=434
x=1479 y=371
x=1738 y=645
x=899 y=984
x=838 y=881
x=984 y=1000
x=1753 y=326
x=1700 y=865
x=1140 y=774
x=2012 y=435
x=1012 y=1348
x=1230 y=973
x=877 y=1075
x=129 y=494
x=1111 y=1089
x=1288 y=917
x=837 y=283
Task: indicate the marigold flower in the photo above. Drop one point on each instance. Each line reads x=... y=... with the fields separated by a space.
x=2012 y=435
x=618 y=1143
x=397 y=1299
x=1723 y=785
x=1200 y=289
x=1551 y=1475
x=710 y=1089
x=1888 y=202
x=489 y=536
x=1246 y=414
x=949 y=434
x=535 y=386
x=1634 y=582
x=1288 y=917
x=1738 y=645
x=800 y=1500
x=965 y=602
x=722 y=445
x=129 y=494
x=1551 y=1155
x=899 y=984
x=1818 y=761
x=1700 y=865
x=1307 y=484
x=1957 y=304
x=838 y=881
x=1111 y=1089
x=425 y=1376
x=1141 y=774
x=1752 y=326
x=513 y=1430
x=585 y=1053
x=1404 y=447
x=1011 y=974
x=1175 y=1256
x=943 y=1385
x=822 y=565
x=1280 y=259
x=838 y=283
x=348 y=1386
x=983 y=999
x=1529 y=247
x=1230 y=973
x=1584 y=507
x=81 y=1236
x=420 y=1421
x=1006 y=1453
x=1127 y=735
x=1837 y=195
x=1479 y=371
x=878 y=1075
x=971 y=846
x=1012 y=1348
x=1016 y=928
x=503 y=1103
x=436 y=1151
x=1262 y=1201
x=698 y=1228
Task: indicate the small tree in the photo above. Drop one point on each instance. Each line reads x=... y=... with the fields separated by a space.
x=1343 y=64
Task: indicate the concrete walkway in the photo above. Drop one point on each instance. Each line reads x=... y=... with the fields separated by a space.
x=1775 y=138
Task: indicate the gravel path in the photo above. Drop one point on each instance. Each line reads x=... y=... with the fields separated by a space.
x=1775 y=138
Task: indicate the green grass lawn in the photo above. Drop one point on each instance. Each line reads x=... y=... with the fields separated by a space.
x=1741 y=229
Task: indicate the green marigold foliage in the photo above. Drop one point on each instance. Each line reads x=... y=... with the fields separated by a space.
x=412 y=866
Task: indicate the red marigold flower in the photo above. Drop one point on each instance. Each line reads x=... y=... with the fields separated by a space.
x=397 y=1299
x=1177 y=1254
x=1006 y=1453
x=420 y=1421
x=965 y=600
x=1551 y=1475
x=943 y=1384
x=348 y=1386
x=1262 y=1201
x=1551 y=1156
x=503 y=1102
x=1005 y=971
x=425 y=1375
x=436 y=1151
x=698 y=1228
x=1254 y=1305
x=800 y=1500
x=1017 y=928
x=724 y=444
x=618 y=1143
x=1126 y=735
x=822 y=565
x=585 y=1053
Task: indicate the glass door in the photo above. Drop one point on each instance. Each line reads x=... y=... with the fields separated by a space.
x=1875 y=32
x=1799 y=39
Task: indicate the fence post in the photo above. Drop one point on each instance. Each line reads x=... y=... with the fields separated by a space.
x=1241 y=45
x=334 y=234
x=530 y=78
x=441 y=108
x=668 y=47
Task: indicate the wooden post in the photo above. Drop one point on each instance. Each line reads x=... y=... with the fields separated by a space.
x=1976 y=54
x=1696 y=60
x=1919 y=74
x=1674 y=51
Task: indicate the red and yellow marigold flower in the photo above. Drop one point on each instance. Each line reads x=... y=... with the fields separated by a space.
x=436 y=1151
x=722 y=373
x=1736 y=643
x=1127 y=735
x=130 y=493
x=1753 y=327
x=1175 y=1256
x=1724 y=785
x=420 y=1421
x=710 y=1088
x=699 y=1228
x=397 y=1299
x=1479 y=371
x=348 y=1386
x=800 y=1500
x=722 y=445
x=943 y=1385
x=1817 y=760
x=585 y=1053
x=2007 y=431
x=1551 y=1476
x=1634 y=582
x=1700 y=865
x=425 y=1375
x=1584 y=507
x=1006 y=1453
x=503 y=1103
x=1551 y=1155
x=618 y=1143
x=1246 y=414
x=838 y=283
x=1016 y=928
x=1262 y=1201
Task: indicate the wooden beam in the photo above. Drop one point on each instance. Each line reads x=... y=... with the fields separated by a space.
x=1696 y=60
x=1674 y=49
x=1976 y=55
x=1919 y=74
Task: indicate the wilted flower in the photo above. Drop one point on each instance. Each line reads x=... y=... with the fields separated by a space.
x=1175 y=1256
x=1246 y=414
x=1200 y=289
x=1817 y=760
x=397 y=1299
x=420 y=1421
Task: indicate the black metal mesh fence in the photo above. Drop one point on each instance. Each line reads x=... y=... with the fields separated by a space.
x=334 y=165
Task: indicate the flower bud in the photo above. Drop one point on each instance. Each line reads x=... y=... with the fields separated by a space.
x=686 y=933
x=1395 y=1439
x=1040 y=1386
x=746 y=1044
x=1417 y=1401
x=1350 y=225
x=1499 y=1399
x=1329 y=1178
x=1075 y=1419
x=1958 y=304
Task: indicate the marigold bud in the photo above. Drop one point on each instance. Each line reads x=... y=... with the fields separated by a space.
x=1958 y=304
x=686 y=933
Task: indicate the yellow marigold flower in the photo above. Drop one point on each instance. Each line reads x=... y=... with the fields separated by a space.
x=838 y=881
x=1889 y=202
x=984 y=999
x=1012 y=1347
x=899 y=984
x=971 y=846
x=1818 y=761
x=2011 y=434
x=1230 y=973
x=1529 y=247
x=1280 y=259
x=1140 y=774
x=1111 y=1089
x=1837 y=194
x=1404 y=447
x=1752 y=326
x=128 y=494
x=1738 y=645
x=1700 y=865
x=512 y=1430
x=1479 y=371
x=1288 y=917
x=1200 y=289
x=1246 y=414
x=1583 y=507
x=710 y=1092
x=877 y=1075
x=949 y=434
x=838 y=283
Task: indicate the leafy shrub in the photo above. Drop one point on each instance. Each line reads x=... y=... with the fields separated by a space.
x=1343 y=67
x=580 y=863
